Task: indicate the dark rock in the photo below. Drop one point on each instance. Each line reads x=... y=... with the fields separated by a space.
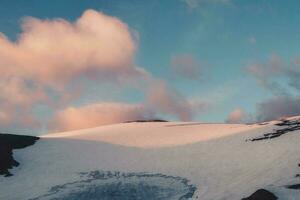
x=8 y=143
x=261 y=194
x=148 y=120
x=295 y=187
x=286 y=126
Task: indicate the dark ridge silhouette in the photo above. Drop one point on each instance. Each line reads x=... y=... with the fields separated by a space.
x=147 y=120
x=287 y=126
x=8 y=143
x=261 y=194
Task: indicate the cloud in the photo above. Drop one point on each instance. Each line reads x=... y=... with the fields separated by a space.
x=272 y=67
x=56 y=51
x=197 y=3
x=186 y=66
x=293 y=74
x=278 y=107
x=261 y=71
x=160 y=100
x=166 y=100
x=238 y=116
x=268 y=73
x=283 y=80
x=94 y=115
x=192 y=3
x=12 y=117
x=51 y=56
x=252 y=40
x=4 y=118
x=53 y=61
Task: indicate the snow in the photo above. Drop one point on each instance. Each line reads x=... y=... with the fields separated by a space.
x=154 y=134
x=216 y=158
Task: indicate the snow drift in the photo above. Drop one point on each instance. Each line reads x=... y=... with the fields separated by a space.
x=161 y=160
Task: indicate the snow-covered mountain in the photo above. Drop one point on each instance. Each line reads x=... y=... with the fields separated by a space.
x=159 y=160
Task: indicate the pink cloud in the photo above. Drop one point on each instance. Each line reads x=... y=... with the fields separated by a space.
x=237 y=116
x=5 y=118
x=52 y=55
x=52 y=60
x=160 y=100
x=168 y=101
x=186 y=66
x=98 y=114
x=55 y=51
x=266 y=74
x=277 y=107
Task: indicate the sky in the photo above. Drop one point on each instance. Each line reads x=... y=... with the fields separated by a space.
x=73 y=64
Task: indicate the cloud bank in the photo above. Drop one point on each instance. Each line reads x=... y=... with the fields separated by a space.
x=50 y=56
x=166 y=100
x=278 y=107
x=286 y=97
x=98 y=114
x=53 y=52
x=53 y=61
x=237 y=116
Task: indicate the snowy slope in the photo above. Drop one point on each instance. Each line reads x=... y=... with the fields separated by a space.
x=159 y=160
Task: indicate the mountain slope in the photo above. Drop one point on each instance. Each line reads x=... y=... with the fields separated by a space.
x=160 y=160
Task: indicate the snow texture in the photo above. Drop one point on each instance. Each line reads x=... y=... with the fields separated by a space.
x=217 y=160
x=122 y=186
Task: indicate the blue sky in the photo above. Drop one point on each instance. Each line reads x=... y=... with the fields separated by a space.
x=223 y=37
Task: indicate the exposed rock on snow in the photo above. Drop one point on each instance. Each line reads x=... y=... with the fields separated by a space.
x=296 y=186
x=286 y=126
x=261 y=194
x=9 y=142
x=148 y=120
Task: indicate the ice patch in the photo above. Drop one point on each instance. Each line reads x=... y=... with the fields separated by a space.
x=122 y=186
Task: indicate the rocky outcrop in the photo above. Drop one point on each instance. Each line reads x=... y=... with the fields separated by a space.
x=285 y=126
x=8 y=143
x=261 y=194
